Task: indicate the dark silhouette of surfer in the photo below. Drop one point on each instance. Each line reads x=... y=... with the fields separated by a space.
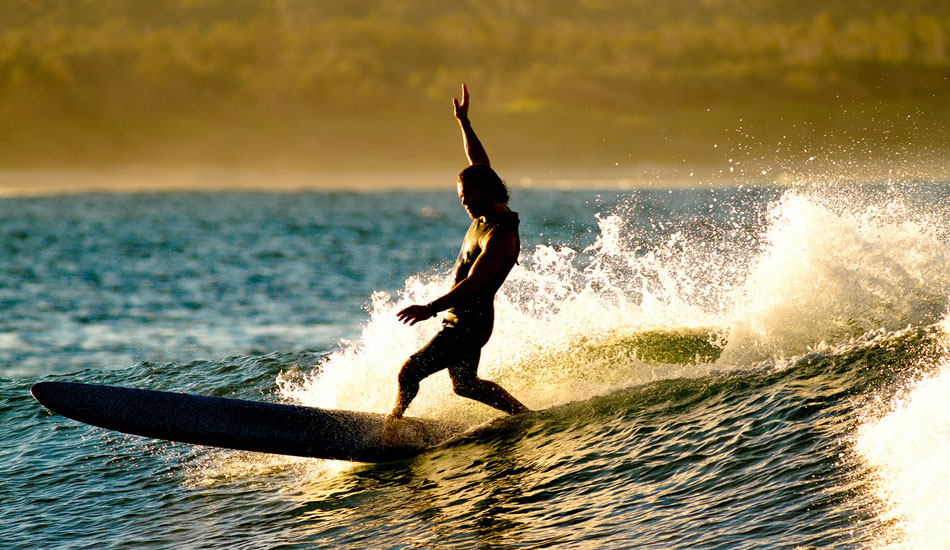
x=489 y=251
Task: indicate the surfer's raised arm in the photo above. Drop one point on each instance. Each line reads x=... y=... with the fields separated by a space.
x=473 y=146
x=489 y=252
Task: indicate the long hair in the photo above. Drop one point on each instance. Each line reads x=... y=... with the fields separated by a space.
x=484 y=177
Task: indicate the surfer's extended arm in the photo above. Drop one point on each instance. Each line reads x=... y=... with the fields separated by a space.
x=473 y=146
x=499 y=246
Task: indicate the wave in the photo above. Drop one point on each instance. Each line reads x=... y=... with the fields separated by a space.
x=821 y=327
x=779 y=373
x=852 y=434
x=830 y=269
x=814 y=269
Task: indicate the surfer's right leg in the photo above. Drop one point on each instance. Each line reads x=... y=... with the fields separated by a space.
x=436 y=355
x=408 y=388
x=410 y=375
x=431 y=358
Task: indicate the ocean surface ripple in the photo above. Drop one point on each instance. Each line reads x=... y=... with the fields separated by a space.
x=710 y=368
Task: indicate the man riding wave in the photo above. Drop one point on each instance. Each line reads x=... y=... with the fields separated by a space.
x=489 y=251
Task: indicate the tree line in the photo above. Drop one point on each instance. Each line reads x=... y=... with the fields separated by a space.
x=150 y=71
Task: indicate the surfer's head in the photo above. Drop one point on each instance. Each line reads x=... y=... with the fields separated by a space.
x=483 y=177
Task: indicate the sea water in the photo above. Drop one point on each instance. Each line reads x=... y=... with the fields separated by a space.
x=714 y=367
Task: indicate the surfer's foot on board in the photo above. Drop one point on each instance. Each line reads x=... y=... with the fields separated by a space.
x=391 y=435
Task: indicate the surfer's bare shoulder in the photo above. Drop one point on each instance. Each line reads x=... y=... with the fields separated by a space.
x=500 y=238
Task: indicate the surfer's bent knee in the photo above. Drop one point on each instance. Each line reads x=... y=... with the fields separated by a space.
x=410 y=372
x=465 y=388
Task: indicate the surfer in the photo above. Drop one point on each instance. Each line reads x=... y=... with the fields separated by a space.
x=489 y=251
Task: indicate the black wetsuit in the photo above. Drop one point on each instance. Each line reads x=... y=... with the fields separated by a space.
x=468 y=325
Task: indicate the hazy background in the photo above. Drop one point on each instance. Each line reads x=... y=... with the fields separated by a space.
x=688 y=89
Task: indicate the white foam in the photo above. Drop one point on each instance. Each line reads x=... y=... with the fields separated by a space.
x=908 y=446
x=831 y=271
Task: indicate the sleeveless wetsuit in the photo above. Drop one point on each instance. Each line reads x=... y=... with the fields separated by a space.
x=468 y=325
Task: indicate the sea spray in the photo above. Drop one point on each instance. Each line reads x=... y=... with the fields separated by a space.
x=568 y=327
x=361 y=375
x=831 y=268
x=820 y=269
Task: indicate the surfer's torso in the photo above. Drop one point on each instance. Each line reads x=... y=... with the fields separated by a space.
x=476 y=312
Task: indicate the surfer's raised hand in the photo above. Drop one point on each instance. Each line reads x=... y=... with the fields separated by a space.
x=413 y=314
x=473 y=147
x=461 y=107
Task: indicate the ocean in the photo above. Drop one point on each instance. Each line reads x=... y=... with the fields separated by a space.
x=739 y=367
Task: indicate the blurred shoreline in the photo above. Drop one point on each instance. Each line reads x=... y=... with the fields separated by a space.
x=46 y=182
x=141 y=179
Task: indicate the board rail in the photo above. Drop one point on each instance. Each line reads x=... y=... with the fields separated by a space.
x=242 y=424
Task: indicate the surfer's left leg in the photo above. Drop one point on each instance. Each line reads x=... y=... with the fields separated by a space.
x=466 y=383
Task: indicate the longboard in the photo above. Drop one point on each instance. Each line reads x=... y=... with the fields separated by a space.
x=240 y=424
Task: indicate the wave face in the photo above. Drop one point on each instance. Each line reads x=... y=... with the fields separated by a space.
x=709 y=368
x=748 y=280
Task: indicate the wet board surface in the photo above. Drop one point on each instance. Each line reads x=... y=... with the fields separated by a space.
x=241 y=424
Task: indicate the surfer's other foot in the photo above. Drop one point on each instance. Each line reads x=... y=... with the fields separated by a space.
x=391 y=435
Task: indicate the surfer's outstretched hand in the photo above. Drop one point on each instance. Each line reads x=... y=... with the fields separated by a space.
x=413 y=314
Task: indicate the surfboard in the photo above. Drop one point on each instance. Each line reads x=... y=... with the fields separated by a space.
x=240 y=424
